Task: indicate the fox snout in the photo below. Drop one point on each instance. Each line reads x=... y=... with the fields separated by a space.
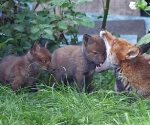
x=47 y=65
x=51 y=68
x=99 y=63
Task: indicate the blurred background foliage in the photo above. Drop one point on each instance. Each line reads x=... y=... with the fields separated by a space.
x=21 y=24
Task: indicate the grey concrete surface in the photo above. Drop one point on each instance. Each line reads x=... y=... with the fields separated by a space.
x=118 y=7
x=132 y=27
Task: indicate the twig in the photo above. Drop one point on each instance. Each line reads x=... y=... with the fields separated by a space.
x=37 y=4
x=62 y=34
x=105 y=14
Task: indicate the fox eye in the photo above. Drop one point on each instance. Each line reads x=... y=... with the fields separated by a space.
x=45 y=61
x=95 y=53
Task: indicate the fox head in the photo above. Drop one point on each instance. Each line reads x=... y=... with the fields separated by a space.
x=42 y=56
x=117 y=50
x=94 y=49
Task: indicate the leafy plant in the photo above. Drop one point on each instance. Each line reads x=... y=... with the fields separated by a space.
x=21 y=26
x=145 y=39
x=143 y=5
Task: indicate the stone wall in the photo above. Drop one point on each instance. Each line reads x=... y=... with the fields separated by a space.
x=119 y=7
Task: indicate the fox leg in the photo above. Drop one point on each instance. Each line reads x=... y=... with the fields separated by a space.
x=89 y=86
x=3 y=81
x=80 y=79
x=16 y=84
x=2 y=78
x=119 y=86
x=58 y=77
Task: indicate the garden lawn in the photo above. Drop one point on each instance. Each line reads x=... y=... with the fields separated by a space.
x=68 y=107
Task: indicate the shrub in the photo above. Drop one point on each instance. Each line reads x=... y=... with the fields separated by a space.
x=20 y=25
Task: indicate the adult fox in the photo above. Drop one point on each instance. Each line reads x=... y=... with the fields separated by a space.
x=132 y=66
x=22 y=71
x=78 y=63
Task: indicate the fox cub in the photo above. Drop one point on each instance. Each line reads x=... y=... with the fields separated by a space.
x=132 y=66
x=22 y=71
x=77 y=63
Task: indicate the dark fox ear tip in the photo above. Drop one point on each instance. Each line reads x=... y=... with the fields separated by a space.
x=35 y=46
x=35 y=43
x=44 y=44
x=85 y=36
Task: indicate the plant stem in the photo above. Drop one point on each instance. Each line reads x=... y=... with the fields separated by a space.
x=105 y=14
x=37 y=4
x=147 y=13
x=62 y=34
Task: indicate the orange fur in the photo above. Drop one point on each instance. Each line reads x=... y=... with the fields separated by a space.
x=133 y=66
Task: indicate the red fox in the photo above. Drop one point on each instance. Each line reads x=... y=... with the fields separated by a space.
x=22 y=71
x=132 y=66
x=78 y=62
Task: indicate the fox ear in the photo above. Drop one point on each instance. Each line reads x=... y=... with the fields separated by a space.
x=87 y=39
x=132 y=53
x=35 y=47
x=46 y=45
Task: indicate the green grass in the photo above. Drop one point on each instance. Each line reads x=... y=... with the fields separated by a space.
x=68 y=107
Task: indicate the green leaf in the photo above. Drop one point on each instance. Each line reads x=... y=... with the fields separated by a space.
x=147 y=8
x=100 y=16
x=10 y=39
x=52 y=19
x=87 y=22
x=46 y=36
x=54 y=47
x=48 y=31
x=58 y=2
x=26 y=45
x=42 y=26
x=142 y=4
x=33 y=22
x=35 y=29
x=80 y=15
x=7 y=48
x=3 y=43
x=65 y=5
x=145 y=39
x=80 y=2
x=34 y=36
x=7 y=31
x=20 y=17
x=40 y=19
x=18 y=27
x=19 y=49
x=70 y=17
x=62 y=25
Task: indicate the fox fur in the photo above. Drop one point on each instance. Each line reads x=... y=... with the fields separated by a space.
x=132 y=66
x=77 y=63
x=22 y=71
